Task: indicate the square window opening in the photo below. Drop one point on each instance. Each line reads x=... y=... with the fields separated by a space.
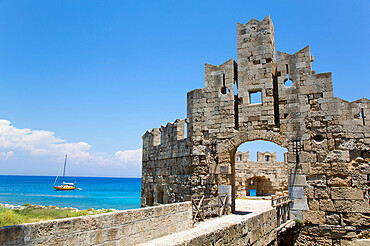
x=255 y=97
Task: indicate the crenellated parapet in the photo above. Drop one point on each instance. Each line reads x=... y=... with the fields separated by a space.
x=172 y=132
x=166 y=142
x=266 y=156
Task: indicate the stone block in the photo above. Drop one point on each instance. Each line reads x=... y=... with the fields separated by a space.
x=42 y=229
x=333 y=219
x=97 y=236
x=148 y=212
x=122 y=217
x=347 y=193
x=105 y=220
x=339 y=180
x=337 y=156
x=296 y=192
x=327 y=205
x=316 y=180
x=58 y=241
x=361 y=206
x=320 y=168
x=358 y=242
x=306 y=157
x=112 y=234
x=67 y=226
x=167 y=209
x=81 y=238
x=313 y=217
x=300 y=204
x=128 y=230
x=356 y=219
x=359 y=180
x=322 y=192
x=309 y=191
x=313 y=204
x=11 y=234
x=297 y=180
x=158 y=211
x=123 y=242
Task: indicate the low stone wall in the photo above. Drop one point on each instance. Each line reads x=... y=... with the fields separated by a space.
x=127 y=227
x=258 y=228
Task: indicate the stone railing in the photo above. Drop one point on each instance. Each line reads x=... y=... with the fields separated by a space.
x=129 y=227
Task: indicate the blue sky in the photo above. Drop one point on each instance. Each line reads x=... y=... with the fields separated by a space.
x=90 y=77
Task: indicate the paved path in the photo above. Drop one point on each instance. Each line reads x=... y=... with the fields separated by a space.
x=251 y=205
x=245 y=209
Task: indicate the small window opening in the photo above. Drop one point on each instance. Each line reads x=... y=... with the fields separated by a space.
x=318 y=138
x=267 y=158
x=239 y=157
x=362 y=114
x=224 y=89
x=255 y=97
x=251 y=181
x=268 y=60
x=256 y=62
x=288 y=82
x=236 y=106
x=186 y=130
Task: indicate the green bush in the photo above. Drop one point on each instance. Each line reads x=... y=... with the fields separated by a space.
x=8 y=217
x=30 y=214
x=298 y=222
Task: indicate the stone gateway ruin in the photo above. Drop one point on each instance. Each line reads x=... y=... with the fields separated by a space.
x=276 y=97
x=263 y=177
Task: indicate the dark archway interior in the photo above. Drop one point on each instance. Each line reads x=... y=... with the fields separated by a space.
x=259 y=186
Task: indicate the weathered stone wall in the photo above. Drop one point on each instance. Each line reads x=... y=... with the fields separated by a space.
x=266 y=175
x=334 y=134
x=254 y=229
x=129 y=227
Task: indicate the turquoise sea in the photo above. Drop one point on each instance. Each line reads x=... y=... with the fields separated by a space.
x=97 y=192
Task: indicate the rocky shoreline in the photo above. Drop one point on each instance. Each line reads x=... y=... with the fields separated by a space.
x=21 y=207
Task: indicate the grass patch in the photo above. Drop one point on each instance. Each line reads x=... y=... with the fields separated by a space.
x=31 y=214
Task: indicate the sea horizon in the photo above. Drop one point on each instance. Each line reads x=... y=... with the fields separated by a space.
x=77 y=176
x=119 y=193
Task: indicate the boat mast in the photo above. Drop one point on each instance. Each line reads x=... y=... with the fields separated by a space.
x=64 y=171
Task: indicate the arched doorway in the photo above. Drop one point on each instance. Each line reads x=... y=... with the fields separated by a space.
x=260 y=169
x=232 y=147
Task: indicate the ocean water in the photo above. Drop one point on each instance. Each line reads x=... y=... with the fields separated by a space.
x=117 y=193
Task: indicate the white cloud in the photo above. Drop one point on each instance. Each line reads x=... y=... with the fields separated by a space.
x=45 y=143
x=132 y=156
x=6 y=155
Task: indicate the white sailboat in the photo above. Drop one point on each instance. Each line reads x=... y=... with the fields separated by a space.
x=64 y=185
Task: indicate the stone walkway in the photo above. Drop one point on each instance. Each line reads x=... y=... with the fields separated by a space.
x=245 y=209
x=252 y=205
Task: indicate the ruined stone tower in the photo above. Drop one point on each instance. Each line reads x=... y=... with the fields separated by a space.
x=328 y=181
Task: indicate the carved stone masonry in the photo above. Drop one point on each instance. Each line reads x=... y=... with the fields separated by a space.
x=328 y=181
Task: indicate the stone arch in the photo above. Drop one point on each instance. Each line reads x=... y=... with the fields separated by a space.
x=231 y=145
x=227 y=150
